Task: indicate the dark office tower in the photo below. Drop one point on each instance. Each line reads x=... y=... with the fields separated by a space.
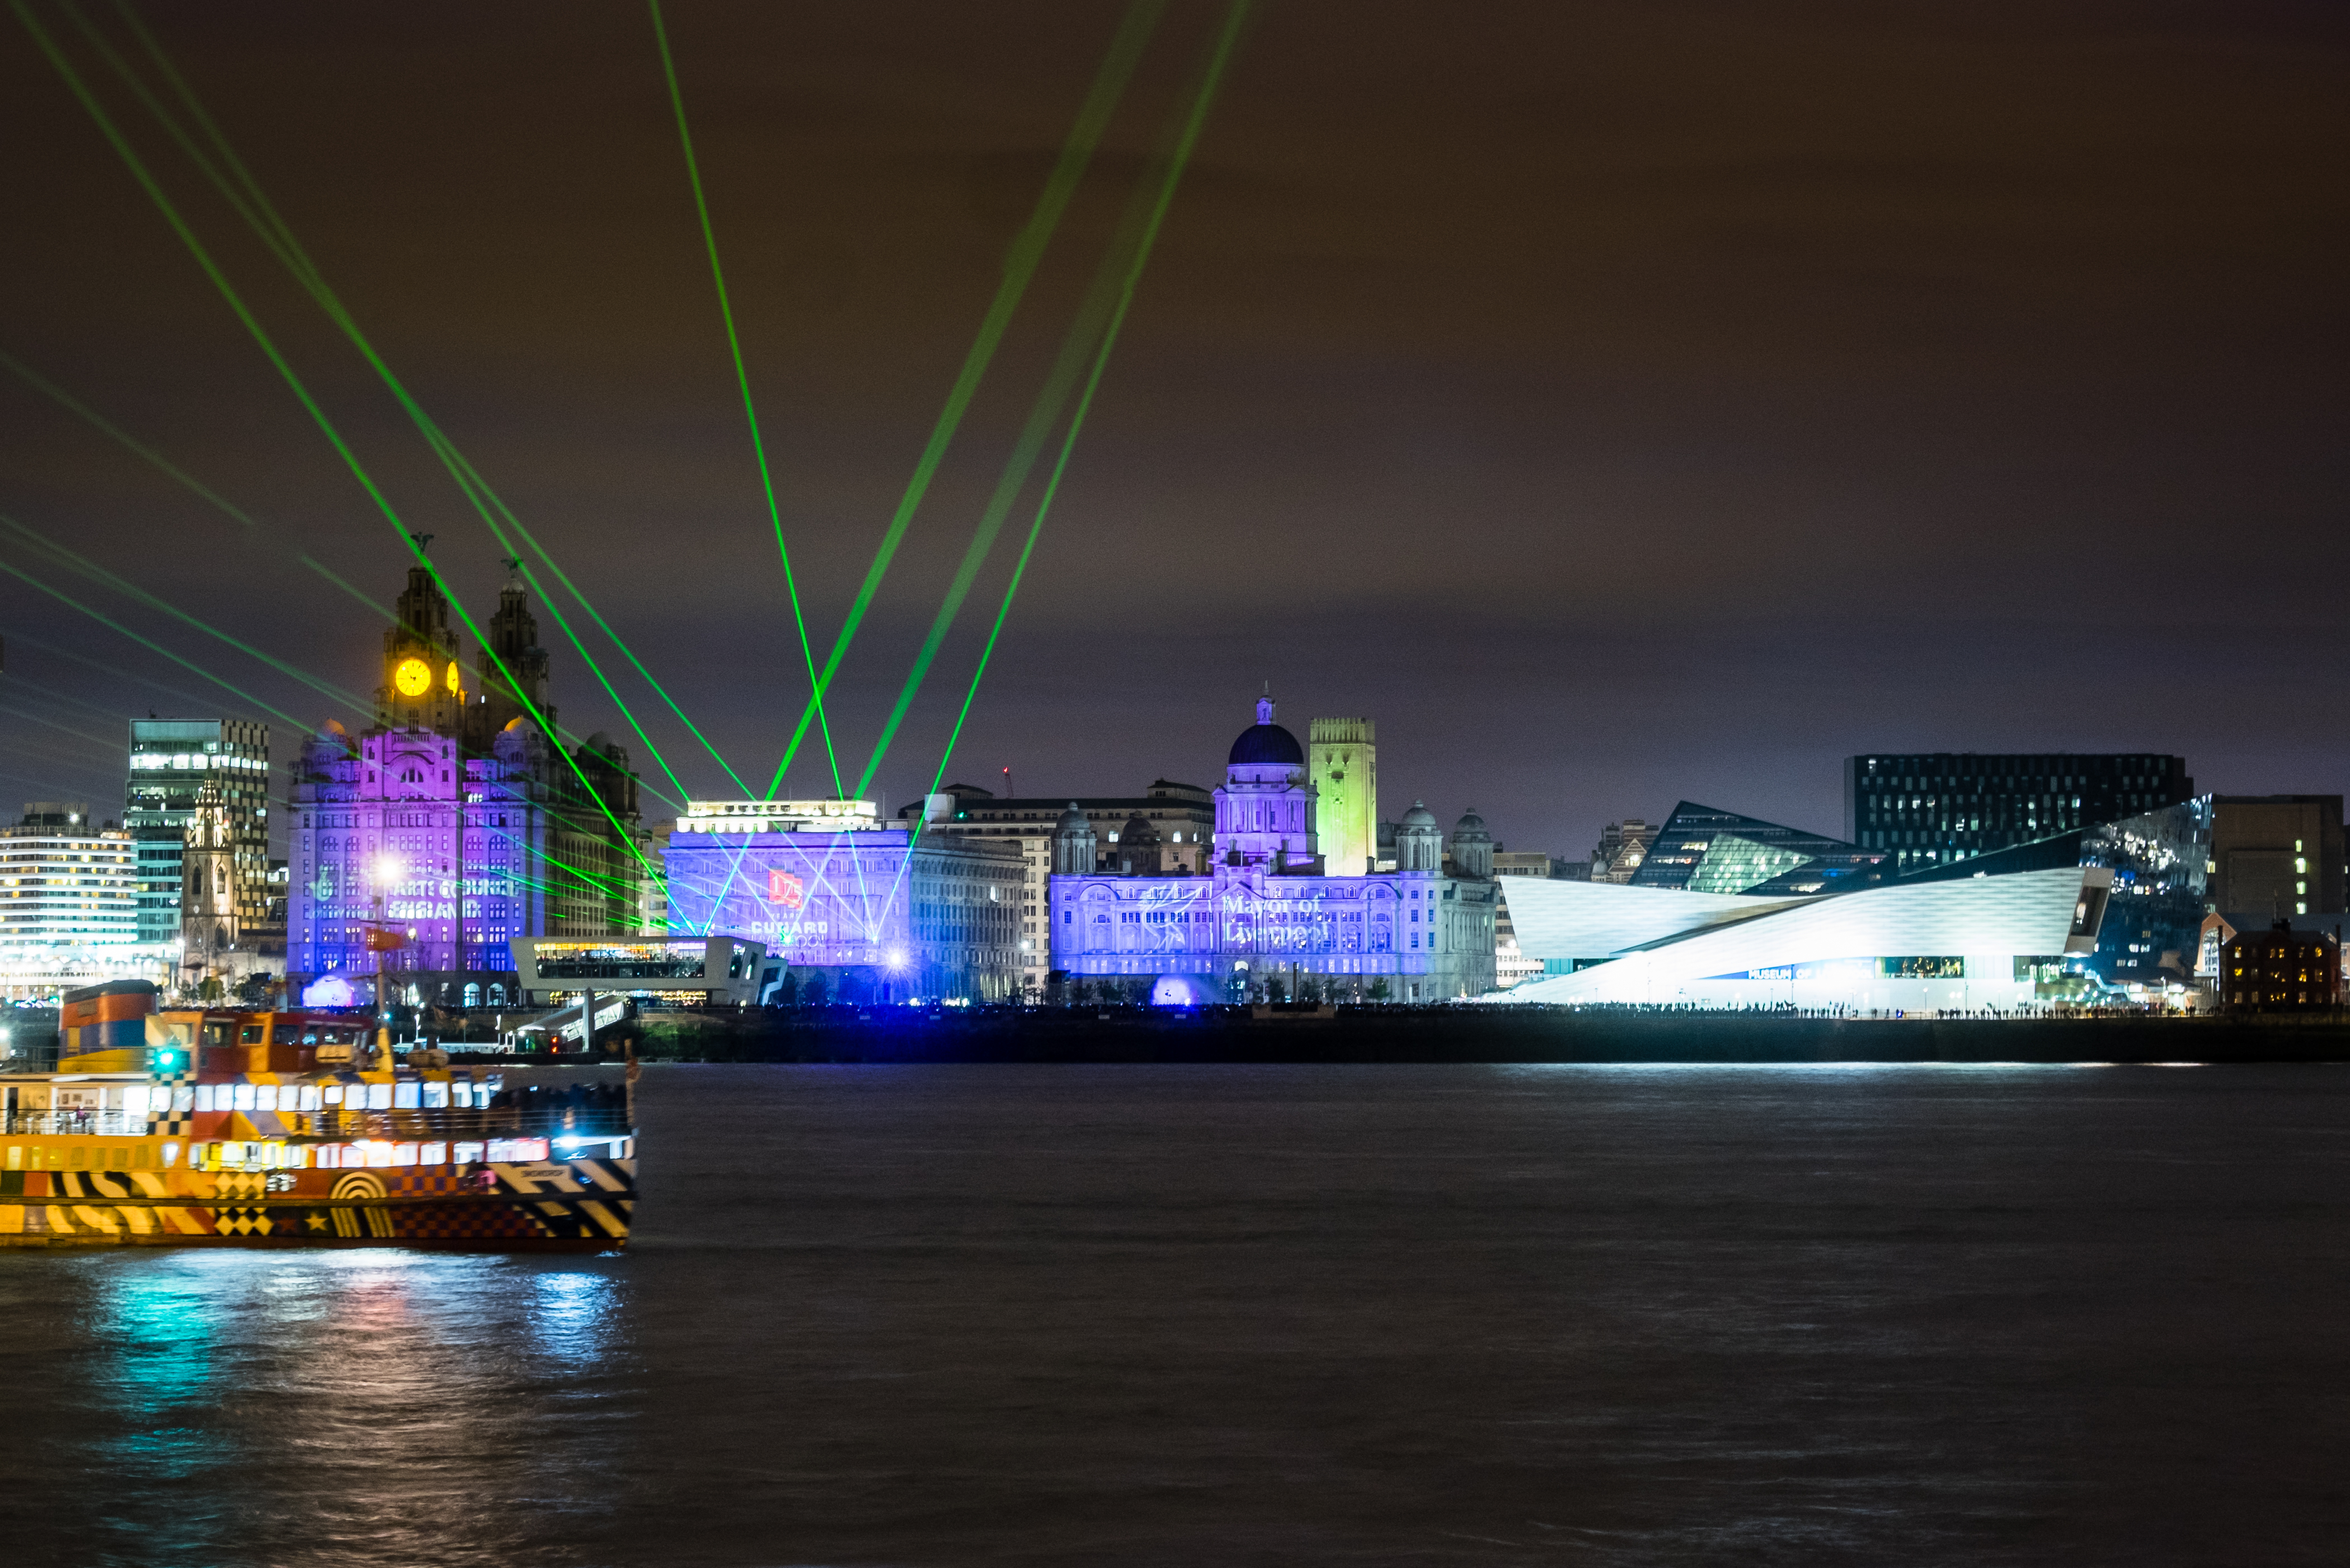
x=2276 y=855
x=1934 y=808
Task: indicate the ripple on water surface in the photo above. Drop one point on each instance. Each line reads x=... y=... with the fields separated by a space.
x=1183 y=1315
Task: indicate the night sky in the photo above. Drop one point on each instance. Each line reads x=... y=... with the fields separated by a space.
x=1618 y=403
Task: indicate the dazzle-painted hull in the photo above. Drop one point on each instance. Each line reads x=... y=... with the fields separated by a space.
x=577 y=1205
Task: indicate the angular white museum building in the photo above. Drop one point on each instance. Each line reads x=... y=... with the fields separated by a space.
x=1966 y=944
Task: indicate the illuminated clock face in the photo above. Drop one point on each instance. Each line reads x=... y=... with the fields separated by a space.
x=414 y=678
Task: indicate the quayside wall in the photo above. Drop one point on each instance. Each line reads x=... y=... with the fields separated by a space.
x=1464 y=1034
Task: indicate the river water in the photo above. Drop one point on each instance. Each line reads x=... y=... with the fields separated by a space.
x=1206 y=1315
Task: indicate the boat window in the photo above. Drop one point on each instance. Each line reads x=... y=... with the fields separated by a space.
x=81 y=1156
x=332 y=1093
x=171 y=1155
x=240 y=1097
x=251 y=1035
x=264 y=1097
x=203 y=1097
x=309 y=1097
x=403 y=1097
x=16 y=1156
x=379 y=1097
x=403 y=1154
x=433 y=1154
x=436 y=1097
x=467 y=1154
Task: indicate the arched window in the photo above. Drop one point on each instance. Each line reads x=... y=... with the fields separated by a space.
x=472 y=994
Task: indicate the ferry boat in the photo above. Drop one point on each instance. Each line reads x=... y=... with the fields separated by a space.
x=224 y=1128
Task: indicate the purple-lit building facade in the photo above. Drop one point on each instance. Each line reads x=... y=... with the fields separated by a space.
x=1266 y=910
x=883 y=915
x=400 y=827
x=453 y=823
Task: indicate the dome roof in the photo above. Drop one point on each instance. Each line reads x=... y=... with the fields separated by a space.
x=1266 y=744
x=1137 y=829
x=1471 y=825
x=1072 y=820
x=1418 y=816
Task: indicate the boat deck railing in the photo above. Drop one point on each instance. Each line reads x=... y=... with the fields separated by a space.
x=453 y=1122
x=75 y=1124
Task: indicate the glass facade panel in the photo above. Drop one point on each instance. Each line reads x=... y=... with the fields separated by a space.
x=1926 y=809
x=1702 y=850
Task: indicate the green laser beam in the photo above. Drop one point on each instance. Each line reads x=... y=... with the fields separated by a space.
x=47 y=692
x=29 y=640
x=123 y=586
x=37 y=784
x=1052 y=399
x=278 y=237
x=383 y=611
x=1019 y=264
x=571 y=737
x=68 y=401
x=319 y=416
x=106 y=620
x=33 y=718
x=743 y=380
x=628 y=652
x=617 y=700
x=1226 y=42
x=594 y=884
x=106 y=427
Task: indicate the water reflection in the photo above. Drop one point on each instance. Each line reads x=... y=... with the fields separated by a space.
x=575 y=1317
x=356 y=1406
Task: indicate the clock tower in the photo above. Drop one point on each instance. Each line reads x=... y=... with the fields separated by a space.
x=423 y=680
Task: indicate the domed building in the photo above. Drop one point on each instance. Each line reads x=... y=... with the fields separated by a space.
x=1265 y=813
x=1419 y=847
x=1137 y=847
x=1472 y=847
x=1265 y=920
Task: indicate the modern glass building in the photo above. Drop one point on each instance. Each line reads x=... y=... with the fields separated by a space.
x=1702 y=850
x=2160 y=863
x=170 y=761
x=1962 y=944
x=2056 y=920
x=1936 y=808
